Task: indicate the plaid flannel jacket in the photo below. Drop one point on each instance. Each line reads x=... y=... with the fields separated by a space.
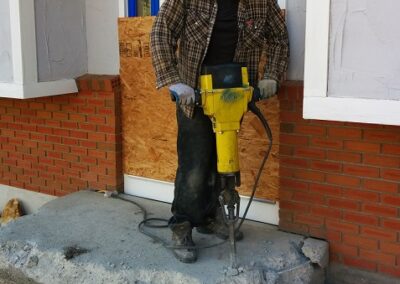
x=191 y=22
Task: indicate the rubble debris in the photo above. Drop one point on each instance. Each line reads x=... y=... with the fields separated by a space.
x=11 y=211
x=317 y=251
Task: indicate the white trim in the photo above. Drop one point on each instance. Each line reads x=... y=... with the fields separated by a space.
x=317 y=46
x=23 y=44
x=317 y=103
x=16 y=41
x=164 y=191
x=282 y=4
x=38 y=89
x=349 y=109
x=122 y=4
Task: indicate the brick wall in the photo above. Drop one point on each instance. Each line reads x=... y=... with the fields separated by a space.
x=60 y=144
x=341 y=182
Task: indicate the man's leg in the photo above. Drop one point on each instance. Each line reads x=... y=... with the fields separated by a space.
x=194 y=196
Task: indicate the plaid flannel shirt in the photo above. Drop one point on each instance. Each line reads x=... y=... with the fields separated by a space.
x=260 y=24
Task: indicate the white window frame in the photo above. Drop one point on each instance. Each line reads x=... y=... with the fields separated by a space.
x=317 y=103
x=25 y=82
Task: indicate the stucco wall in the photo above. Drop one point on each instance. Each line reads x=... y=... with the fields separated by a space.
x=296 y=22
x=61 y=39
x=6 y=70
x=364 y=42
x=102 y=36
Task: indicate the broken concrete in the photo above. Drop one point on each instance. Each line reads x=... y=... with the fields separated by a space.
x=317 y=251
x=88 y=238
x=11 y=211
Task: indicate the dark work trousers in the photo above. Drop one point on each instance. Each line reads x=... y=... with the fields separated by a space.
x=196 y=183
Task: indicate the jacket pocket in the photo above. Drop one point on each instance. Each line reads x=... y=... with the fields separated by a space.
x=252 y=33
x=197 y=26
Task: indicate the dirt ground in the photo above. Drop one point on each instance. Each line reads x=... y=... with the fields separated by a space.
x=11 y=276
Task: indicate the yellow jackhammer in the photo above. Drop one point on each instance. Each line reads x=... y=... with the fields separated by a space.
x=225 y=95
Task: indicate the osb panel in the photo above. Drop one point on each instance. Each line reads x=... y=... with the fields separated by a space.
x=149 y=123
x=148 y=115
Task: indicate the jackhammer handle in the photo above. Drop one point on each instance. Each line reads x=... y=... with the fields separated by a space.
x=197 y=97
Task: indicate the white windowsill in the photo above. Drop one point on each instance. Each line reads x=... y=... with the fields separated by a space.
x=39 y=89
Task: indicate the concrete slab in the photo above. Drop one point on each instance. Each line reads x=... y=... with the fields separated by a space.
x=88 y=238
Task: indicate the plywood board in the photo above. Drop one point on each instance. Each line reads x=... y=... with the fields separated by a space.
x=149 y=123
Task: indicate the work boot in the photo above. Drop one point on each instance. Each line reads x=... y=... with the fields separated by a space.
x=218 y=227
x=182 y=237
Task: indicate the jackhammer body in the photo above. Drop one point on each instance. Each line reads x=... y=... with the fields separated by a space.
x=225 y=94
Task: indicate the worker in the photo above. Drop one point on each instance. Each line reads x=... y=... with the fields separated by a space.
x=209 y=32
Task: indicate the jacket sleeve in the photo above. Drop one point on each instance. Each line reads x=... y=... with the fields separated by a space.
x=164 y=37
x=277 y=43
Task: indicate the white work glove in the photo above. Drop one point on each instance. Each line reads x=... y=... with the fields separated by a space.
x=183 y=93
x=268 y=88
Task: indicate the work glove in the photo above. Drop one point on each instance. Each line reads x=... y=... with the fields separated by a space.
x=183 y=93
x=268 y=88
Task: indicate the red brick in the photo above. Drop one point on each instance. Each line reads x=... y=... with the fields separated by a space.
x=60 y=116
x=294 y=162
x=77 y=117
x=69 y=124
x=309 y=153
x=106 y=128
x=77 y=100
x=362 y=146
x=36 y=106
x=392 y=270
x=292 y=184
x=294 y=206
x=343 y=156
x=308 y=219
x=70 y=157
x=390 y=248
x=63 y=99
x=61 y=132
x=341 y=227
x=361 y=171
x=343 y=249
x=52 y=107
x=315 y=130
x=14 y=111
x=360 y=195
x=293 y=139
x=46 y=130
x=28 y=112
x=391 y=149
x=333 y=236
x=96 y=154
x=360 y=263
x=326 y=143
x=308 y=175
x=95 y=136
x=326 y=166
x=381 y=135
x=378 y=233
x=344 y=132
x=43 y=114
x=342 y=180
x=22 y=135
x=309 y=197
x=70 y=141
x=361 y=242
x=391 y=200
x=391 y=224
x=380 y=210
x=343 y=203
x=326 y=212
x=96 y=119
x=53 y=139
x=391 y=174
x=380 y=160
x=7 y=118
x=381 y=258
x=381 y=186
x=88 y=144
x=78 y=134
x=79 y=150
x=325 y=189
x=290 y=116
x=87 y=127
x=360 y=218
